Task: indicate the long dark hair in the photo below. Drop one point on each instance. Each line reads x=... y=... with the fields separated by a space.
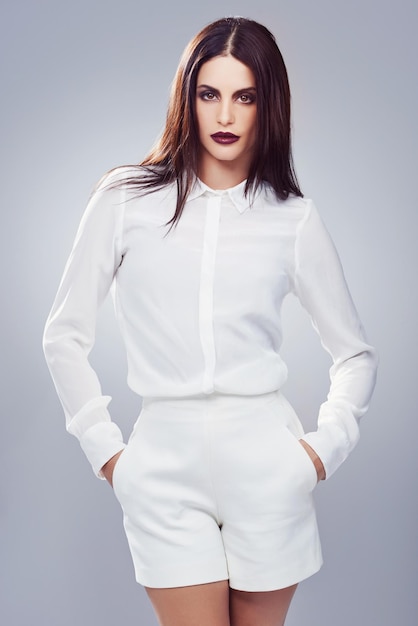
x=174 y=158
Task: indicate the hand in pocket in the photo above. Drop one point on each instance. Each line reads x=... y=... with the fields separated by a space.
x=109 y=466
x=320 y=469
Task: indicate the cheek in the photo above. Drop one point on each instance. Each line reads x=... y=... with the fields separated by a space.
x=252 y=124
x=202 y=125
x=198 y=116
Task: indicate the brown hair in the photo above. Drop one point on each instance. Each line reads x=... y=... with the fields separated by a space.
x=174 y=156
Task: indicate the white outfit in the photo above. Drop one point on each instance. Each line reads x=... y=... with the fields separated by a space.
x=219 y=487
x=199 y=310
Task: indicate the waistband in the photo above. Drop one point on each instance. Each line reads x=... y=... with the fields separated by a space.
x=214 y=401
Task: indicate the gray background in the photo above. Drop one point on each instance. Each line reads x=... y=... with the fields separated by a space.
x=84 y=88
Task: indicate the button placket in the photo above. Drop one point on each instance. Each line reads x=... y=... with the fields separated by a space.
x=210 y=240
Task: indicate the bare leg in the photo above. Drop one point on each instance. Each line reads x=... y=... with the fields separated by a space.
x=197 y=605
x=260 y=608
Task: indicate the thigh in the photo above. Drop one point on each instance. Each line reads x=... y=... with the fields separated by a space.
x=205 y=605
x=263 y=479
x=163 y=482
x=266 y=607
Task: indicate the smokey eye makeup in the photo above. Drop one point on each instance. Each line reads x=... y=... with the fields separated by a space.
x=244 y=96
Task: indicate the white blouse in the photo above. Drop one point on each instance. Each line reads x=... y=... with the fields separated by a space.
x=199 y=307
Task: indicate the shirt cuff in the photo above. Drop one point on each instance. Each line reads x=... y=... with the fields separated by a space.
x=93 y=412
x=100 y=442
x=331 y=445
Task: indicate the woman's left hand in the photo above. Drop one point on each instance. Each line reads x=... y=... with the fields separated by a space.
x=320 y=469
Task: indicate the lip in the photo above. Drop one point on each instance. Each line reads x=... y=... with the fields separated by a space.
x=224 y=138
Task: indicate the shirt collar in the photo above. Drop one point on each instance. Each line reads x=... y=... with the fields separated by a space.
x=236 y=194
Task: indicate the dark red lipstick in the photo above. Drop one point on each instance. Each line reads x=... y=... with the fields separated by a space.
x=224 y=138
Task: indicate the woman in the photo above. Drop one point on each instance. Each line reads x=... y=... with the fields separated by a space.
x=201 y=242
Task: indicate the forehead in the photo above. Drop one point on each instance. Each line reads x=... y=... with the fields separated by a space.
x=225 y=72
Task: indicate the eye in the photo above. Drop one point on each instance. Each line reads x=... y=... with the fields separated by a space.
x=207 y=95
x=246 y=98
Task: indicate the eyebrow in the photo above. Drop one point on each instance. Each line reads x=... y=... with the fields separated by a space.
x=217 y=90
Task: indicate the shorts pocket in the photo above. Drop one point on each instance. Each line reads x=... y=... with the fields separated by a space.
x=294 y=460
x=301 y=461
x=117 y=471
x=120 y=477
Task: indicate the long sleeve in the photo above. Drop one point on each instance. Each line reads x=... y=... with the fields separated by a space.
x=321 y=288
x=70 y=329
x=198 y=307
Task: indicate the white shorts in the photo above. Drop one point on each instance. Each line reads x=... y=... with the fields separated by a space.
x=219 y=487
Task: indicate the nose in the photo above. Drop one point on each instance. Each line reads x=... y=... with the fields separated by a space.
x=225 y=113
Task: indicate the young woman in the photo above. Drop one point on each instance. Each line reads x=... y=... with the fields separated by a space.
x=202 y=242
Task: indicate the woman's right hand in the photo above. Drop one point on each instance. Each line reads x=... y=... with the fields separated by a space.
x=109 y=466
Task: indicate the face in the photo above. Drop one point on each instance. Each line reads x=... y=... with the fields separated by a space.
x=226 y=114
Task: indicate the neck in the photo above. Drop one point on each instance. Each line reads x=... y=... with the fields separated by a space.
x=221 y=174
